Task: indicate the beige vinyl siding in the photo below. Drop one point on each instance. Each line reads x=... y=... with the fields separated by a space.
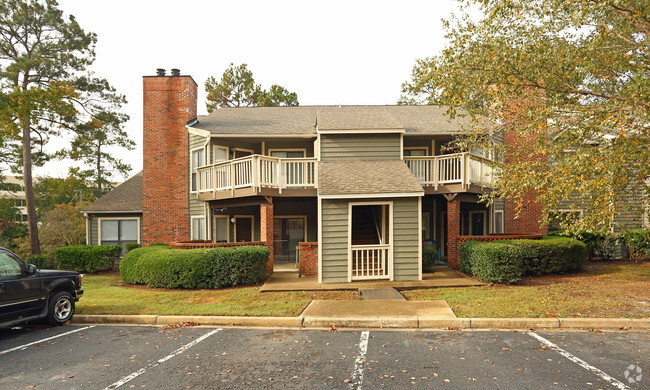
x=94 y=226
x=336 y=147
x=406 y=239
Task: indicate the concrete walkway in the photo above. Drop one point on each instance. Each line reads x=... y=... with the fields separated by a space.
x=440 y=277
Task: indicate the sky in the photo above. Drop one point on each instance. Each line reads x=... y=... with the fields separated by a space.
x=328 y=52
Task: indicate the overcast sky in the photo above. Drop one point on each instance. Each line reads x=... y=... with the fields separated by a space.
x=328 y=52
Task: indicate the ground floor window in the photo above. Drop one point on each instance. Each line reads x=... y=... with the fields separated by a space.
x=498 y=222
x=198 y=228
x=119 y=231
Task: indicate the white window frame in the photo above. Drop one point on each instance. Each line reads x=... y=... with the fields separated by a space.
x=303 y=150
x=235 y=150
x=193 y=169
x=205 y=234
x=426 y=149
x=503 y=222
x=391 y=223
x=426 y=218
x=99 y=226
x=213 y=147
x=227 y=218
x=252 y=218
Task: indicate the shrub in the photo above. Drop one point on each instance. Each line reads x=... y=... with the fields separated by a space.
x=40 y=261
x=599 y=245
x=637 y=243
x=429 y=258
x=195 y=268
x=131 y=258
x=87 y=258
x=132 y=245
x=506 y=261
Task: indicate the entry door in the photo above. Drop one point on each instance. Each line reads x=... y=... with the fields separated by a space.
x=477 y=223
x=243 y=229
x=242 y=153
x=287 y=233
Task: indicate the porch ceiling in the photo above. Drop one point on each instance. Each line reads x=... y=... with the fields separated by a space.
x=366 y=177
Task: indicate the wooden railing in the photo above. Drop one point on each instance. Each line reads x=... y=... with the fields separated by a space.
x=370 y=261
x=258 y=171
x=459 y=168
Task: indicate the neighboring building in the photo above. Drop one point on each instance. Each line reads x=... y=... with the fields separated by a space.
x=116 y=218
x=13 y=188
x=368 y=186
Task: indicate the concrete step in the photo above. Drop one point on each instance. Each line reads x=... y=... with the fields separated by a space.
x=381 y=293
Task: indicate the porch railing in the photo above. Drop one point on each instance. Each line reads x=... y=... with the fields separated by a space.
x=459 y=168
x=258 y=171
x=370 y=261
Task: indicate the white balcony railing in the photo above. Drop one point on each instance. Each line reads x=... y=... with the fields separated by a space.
x=460 y=168
x=370 y=261
x=258 y=171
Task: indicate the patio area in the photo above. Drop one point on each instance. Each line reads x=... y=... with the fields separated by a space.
x=441 y=276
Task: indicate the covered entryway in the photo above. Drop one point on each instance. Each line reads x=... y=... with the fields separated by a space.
x=371 y=250
x=287 y=233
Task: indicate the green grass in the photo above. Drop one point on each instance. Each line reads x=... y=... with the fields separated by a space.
x=106 y=294
x=602 y=290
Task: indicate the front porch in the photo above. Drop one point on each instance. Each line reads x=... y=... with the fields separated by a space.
x=441 y=276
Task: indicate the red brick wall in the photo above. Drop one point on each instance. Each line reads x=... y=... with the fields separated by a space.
x=308 y=259
x=453 y=231
x=169 y=103
x=266 y=231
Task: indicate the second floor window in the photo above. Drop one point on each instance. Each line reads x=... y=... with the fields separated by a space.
x=198 y=160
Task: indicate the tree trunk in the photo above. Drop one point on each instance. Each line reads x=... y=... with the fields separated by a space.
x=99 y=170
x=29 y=190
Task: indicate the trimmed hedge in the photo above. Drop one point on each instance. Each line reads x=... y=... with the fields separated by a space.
x=506 y=261
x=131 y=246
x=131 y=257
x=87 y=258
x=429 y=258
x=195 y=268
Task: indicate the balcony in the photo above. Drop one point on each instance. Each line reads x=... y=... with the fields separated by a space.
x=460 y=172
x=258 y=175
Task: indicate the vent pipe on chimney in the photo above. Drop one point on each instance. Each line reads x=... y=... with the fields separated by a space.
x=176 y=72
x=160 y=72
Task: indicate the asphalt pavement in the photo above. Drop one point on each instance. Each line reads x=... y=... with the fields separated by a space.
x=190 y=357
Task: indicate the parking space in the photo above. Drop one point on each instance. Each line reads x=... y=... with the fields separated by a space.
x=78 y=357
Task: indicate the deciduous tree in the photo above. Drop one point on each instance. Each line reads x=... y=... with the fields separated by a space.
x=571 y=78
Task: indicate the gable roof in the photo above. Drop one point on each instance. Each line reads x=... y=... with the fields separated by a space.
x=366 y=178
x=307 y=120
x=127 y=197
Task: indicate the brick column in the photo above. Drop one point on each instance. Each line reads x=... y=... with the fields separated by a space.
x=453 y=231
x=266 y=231
x=308 y=261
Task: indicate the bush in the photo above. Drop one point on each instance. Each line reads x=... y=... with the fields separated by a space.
x=132 y=245
x=131 y=258
x=637 y=243
x=195 y=268
x=40 y=261
x=506 y=261
x=429 y=258
x=87 y=258
x=599 y=245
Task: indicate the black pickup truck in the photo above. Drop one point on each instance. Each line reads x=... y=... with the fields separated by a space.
x=28 y=294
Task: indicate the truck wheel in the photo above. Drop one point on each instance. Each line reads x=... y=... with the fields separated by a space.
x=61 y=308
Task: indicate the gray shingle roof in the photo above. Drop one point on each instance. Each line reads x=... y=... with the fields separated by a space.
x=127 y=197
x=304 y=120
x=366 y=177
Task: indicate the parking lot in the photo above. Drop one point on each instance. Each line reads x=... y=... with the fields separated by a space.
x=99 y=357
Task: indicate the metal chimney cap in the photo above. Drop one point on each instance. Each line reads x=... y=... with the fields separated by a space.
x=160 y=72
x=176 y=72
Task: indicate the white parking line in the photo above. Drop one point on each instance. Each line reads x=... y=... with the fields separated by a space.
x=141 y=371
x=580 y=362
x=47 y=339
x=357 y=375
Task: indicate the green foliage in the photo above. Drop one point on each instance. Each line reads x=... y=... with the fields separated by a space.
x=41 y=261
x=50 y=191
x=600 y=245
x=237 y=88
x=429 y=258
x=127 y=264
x=569 y=80
x=64 y=225
x=637 y=243
x=507 y=261
x=195 y=268
x=87 y=258
x=132 y=245
x=11 y=227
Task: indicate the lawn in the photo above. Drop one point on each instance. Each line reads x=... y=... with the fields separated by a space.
x=603 y=289
x=106 y=294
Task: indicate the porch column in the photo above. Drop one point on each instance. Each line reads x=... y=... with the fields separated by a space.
x=266 y=231
x=453 y=231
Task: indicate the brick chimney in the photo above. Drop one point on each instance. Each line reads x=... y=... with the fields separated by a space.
x=169 y=104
